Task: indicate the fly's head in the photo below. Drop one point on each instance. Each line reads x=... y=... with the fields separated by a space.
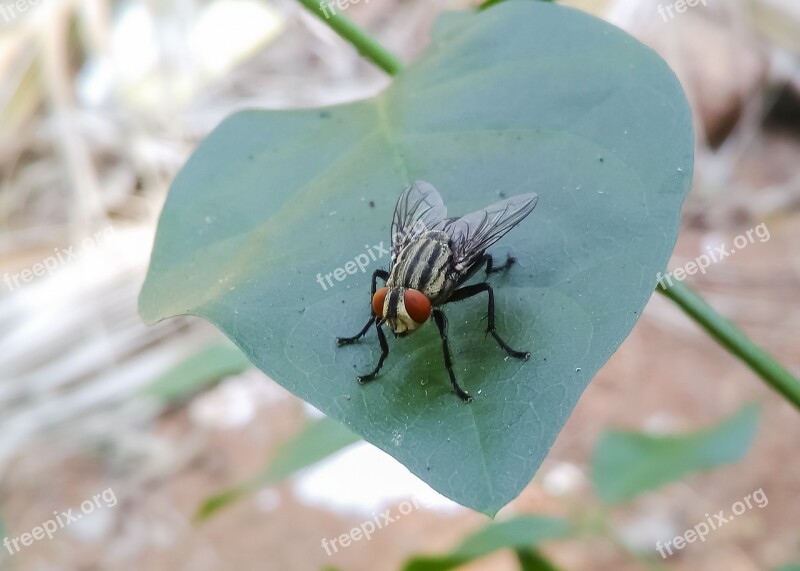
x=403 y=309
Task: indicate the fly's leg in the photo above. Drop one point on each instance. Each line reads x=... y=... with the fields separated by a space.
x=490 y=269
x=441 y=323
x=473 y=290
x=382 y=274
x=384 y=353
x=340 y=341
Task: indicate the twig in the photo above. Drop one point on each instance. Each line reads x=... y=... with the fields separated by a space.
x=734 y=340
x=363 y=42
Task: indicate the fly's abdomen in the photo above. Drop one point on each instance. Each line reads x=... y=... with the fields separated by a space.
x=423 y=265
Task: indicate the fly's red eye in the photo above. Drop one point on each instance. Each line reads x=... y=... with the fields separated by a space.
x=417 y=305
x=378 y=300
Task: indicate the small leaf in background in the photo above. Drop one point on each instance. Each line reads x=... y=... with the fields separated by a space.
x=789 y=567
x=627 y=463
x=532 y=560
x=523 y=97
x=520 y=533
x=318 y=440
x=198 y=372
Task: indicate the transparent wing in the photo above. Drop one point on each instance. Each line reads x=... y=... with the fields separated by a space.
x=473 y=234
x=418 y=209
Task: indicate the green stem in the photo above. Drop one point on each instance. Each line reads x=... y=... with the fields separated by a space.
x=725 y=332
x=734 y=340
x=363 y=42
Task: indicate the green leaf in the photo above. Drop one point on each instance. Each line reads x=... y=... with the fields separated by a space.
x=532 y=560
x=527 y=96
x=789 y=567
x=314 y=443
x=625 y=464
x=198 y=372
x=520 y=533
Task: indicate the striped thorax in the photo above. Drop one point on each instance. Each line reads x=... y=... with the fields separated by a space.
x=418 y=280
x=432 y=257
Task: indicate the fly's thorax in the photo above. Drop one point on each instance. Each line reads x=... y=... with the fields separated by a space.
x=405 y=310
x=424 y=265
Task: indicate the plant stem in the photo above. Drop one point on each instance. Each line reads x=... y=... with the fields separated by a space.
x=734 y=340
x=363 y=42
x=725 y=332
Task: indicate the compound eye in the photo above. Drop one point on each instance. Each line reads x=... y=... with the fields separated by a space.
x=377 y=301
x=417 y=305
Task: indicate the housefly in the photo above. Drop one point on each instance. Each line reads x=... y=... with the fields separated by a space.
x=431 y=257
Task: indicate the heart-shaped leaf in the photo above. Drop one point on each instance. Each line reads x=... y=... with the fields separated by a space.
x=264 y=229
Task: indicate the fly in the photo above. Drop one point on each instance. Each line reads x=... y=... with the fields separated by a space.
x=432 y=256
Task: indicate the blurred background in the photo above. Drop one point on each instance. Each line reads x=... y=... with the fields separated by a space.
x=102 y=101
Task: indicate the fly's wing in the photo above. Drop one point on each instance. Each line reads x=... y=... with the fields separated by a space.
x=418 y=209
x=473 y=234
